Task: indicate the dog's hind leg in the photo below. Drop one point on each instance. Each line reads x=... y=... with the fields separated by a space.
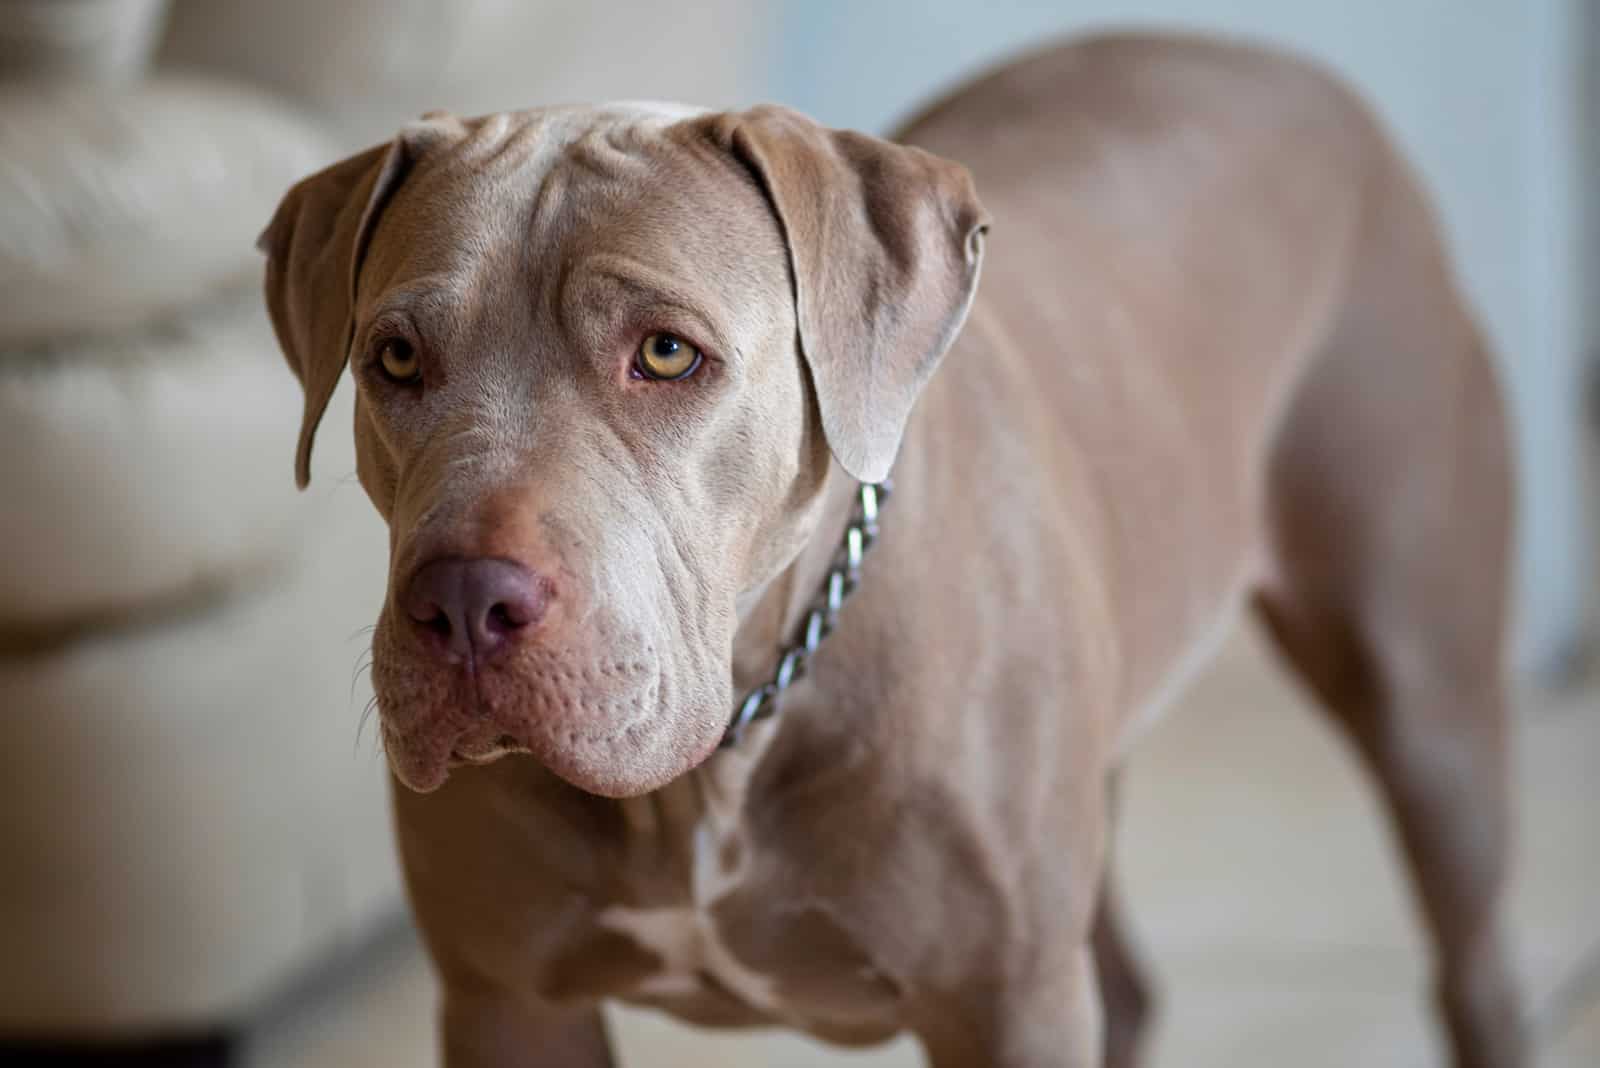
x=1389 y=505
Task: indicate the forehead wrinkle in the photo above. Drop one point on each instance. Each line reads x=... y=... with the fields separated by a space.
x=431 y=300
x=467 y=249
x=651 y=286
x=618 y=136
x=641 y=219
x=438 y=224
x=561 y=201
x=511 y=142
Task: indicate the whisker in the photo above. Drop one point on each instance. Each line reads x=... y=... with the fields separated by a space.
x=355 y=676
x=363 y=664
x=361 y=726
x=361 y=632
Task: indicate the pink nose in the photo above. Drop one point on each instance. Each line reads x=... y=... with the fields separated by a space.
x=476 y=607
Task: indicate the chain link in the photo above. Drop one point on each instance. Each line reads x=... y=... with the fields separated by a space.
x=843 y=577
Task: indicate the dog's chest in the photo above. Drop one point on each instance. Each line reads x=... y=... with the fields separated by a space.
x=724 y=939
x=688 y=939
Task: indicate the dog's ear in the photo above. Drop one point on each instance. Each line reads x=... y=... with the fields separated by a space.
x=885 y=243
x=314 y=245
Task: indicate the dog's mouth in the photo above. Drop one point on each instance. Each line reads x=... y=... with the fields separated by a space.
x=613 y=688
x=608 y=729
x=424 y=757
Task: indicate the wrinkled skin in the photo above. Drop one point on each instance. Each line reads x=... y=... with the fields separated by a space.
x=531 y=441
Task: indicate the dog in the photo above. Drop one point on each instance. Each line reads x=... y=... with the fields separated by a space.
x=690 y=706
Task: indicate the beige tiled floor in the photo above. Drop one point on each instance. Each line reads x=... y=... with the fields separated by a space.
x=1260 y=880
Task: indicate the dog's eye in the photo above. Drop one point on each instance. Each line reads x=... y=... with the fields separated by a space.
x=399 y=361
x=665 y=358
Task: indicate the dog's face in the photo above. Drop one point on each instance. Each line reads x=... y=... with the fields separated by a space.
x=601 y=357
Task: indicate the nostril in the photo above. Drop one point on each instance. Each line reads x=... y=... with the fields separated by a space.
x=502 y=618
x=438 y=623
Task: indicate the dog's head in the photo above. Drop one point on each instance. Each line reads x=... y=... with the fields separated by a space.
x=601 y=359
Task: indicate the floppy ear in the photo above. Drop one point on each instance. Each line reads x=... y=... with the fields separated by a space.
x=314 y=245
x=885 y=243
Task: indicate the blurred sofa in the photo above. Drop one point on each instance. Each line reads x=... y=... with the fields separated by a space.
x=188 y=819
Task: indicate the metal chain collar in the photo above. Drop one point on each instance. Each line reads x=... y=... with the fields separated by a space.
x=842 y=579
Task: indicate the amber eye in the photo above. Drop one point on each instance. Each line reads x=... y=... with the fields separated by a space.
x=399 y=361
x=664 y=358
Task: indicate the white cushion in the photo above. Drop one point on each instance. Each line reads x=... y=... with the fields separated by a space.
x=120 y=205
x=145 y=467
x=188 y=813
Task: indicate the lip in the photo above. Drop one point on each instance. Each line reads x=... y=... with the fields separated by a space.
x=614 y=740
x=419 y=776
x=476 y=755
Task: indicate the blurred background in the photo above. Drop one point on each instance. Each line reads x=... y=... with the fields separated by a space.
x=197 y=857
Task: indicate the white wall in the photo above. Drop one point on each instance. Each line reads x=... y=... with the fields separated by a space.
x=1483 y=94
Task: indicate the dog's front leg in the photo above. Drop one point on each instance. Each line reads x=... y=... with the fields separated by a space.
x=1050 y=1019
x=487 y=1030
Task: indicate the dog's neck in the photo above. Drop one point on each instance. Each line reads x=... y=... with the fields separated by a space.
x=772 y=614
x=769 y=615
